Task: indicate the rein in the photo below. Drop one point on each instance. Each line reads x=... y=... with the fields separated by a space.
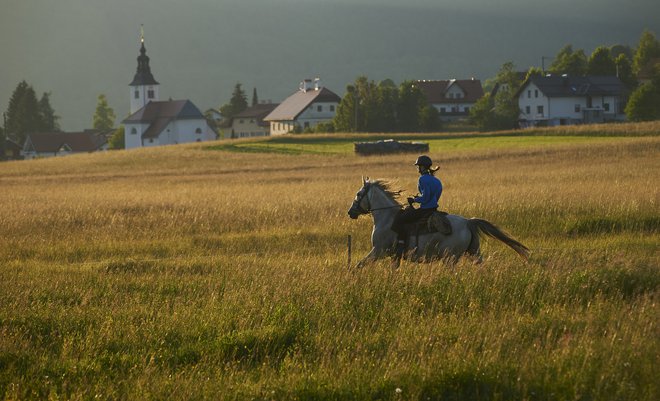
x=367 y=211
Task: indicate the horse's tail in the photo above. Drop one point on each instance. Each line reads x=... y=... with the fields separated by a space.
x=490 y=229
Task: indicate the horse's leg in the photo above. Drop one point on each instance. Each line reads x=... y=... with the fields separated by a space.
x=372 y=256
x=474 y=249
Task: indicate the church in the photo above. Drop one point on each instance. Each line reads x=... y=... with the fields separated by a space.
x=153 y=122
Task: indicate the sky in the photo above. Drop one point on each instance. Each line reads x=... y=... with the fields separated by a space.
x=199 y=49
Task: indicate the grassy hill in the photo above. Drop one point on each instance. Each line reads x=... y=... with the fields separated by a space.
x=219 y=272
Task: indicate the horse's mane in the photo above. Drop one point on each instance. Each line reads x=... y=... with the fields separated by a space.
x=386 y=187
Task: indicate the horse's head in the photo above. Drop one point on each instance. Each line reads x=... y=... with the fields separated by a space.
x=361 y=202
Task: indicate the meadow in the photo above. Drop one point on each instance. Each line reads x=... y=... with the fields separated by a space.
x=219 y=272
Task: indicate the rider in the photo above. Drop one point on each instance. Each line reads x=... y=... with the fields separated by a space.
x=430 y=189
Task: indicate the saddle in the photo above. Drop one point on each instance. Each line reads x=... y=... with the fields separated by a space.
x=435 y=223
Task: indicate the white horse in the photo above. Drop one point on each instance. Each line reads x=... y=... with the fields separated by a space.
x=377 y=198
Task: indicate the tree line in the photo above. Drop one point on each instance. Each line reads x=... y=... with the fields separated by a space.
x=499 y=109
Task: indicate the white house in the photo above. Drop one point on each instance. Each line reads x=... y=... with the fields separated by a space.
x=564 y=100
x=166 y=123
x=250 y=122
x=153 y=122
x=306 y=108
x=452 y=98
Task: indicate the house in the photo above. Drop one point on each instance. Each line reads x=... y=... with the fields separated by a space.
x=166 y=123
x=310 y=105
x=564 y=100
x=452 y=98
x=214 y=115
x=12 y=151
x=250 y=122
x=50 y=144
x=153 y=122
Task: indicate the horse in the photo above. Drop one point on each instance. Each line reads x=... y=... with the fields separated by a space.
x=376 y=198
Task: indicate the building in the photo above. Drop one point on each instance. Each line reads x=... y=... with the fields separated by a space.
x=310 y=105
x=166 y=123
x=250 y=122
x=564 y=100
x=12 y=151
x=50 y=144
x=452 y=98
x=153 y=122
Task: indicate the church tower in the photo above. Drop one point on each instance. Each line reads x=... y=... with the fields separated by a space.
x=144 y=87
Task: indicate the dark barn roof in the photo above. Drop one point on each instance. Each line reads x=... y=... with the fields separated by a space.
x=52 y=142
x=258 y=112
x=566 y=86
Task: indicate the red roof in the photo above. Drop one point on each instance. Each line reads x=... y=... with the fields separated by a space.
x=436 y=91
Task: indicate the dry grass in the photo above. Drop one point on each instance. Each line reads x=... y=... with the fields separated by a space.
x=184 y=273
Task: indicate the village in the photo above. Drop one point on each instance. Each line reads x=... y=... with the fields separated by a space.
x=514 y=99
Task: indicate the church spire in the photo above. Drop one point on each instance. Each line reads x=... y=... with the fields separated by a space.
x=143 y=75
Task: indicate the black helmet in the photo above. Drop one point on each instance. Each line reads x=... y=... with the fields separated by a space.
x=424 y=160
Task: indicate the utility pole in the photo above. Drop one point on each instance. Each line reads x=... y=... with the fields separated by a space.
x=543 y=58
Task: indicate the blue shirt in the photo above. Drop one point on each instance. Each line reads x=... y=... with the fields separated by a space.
x=430 y=189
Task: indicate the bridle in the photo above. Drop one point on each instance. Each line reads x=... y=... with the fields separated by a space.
x=357 y=203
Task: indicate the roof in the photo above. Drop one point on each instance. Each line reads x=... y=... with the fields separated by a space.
x=295 y=104
x=258 y=111
x=11 y=145
x=143 y=74
x=51 y=142
x=566 y=86
x=159 y=114
x=435 y=91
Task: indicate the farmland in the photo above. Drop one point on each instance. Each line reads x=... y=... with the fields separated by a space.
x=219 y=272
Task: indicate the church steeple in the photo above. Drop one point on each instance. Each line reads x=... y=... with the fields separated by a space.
x=143 y=75
x=144 y=88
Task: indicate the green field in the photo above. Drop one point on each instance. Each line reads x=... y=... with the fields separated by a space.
x=219 y=272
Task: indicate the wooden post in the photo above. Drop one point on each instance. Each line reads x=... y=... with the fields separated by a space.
x=349 y=251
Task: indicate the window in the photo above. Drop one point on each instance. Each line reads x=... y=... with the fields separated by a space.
x=454 y=109
x=443 y=110
x=577 y=108
x=150 y=93
x=306 y=124
x=133 y=131
x=332 y=107
x=528 y=110
x=319 y=108
x=136 y=94
x=151 y=140
x=539 y=109
x=241 y=121
x=529 y=93
x=466 y=109
x=198 y=131
x=536 y=93
x=606 y=106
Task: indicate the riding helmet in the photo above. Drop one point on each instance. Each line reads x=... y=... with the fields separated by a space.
x=424 y=160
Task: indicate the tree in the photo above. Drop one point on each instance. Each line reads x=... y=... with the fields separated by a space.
x=255 y=98
x=237 y=103
x=387 y=97
x=644 y=103
x=47 y=118
x=500 y=111
x=23 y=114
x=624 y=71
x=647 y=50
x=569 y=62
x=345 y=117
x=117 y=139
x=601 y=62
x=104 y=117
x=533 y=72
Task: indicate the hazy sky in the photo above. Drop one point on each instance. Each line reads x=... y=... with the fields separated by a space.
x=199 y=49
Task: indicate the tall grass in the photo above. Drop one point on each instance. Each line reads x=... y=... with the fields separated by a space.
x=184 y=273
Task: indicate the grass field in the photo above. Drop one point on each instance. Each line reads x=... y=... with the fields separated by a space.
x=219 y=272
